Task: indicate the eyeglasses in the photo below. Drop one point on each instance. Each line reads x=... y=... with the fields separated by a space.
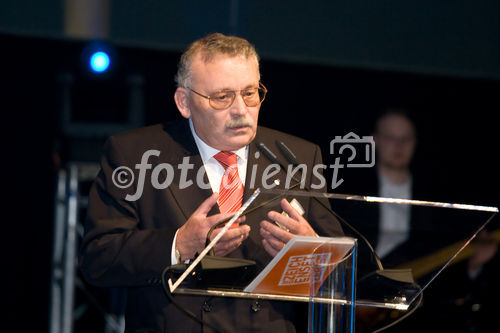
x=222 y=100
x=393 y=139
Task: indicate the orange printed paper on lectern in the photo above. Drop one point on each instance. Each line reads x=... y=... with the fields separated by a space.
x=290 y=272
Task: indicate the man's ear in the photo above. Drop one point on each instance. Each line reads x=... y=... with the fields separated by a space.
x=181 y=100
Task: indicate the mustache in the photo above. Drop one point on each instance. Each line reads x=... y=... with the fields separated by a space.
x=239 y=122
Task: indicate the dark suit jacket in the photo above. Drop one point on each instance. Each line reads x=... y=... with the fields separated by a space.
x=128 y=243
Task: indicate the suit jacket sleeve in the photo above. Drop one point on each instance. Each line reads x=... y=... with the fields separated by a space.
x=118 y=249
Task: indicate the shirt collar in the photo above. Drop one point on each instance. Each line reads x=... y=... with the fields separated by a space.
x=208 y=152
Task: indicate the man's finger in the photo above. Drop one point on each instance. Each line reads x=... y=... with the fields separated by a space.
x=269 y=249
x=292 y=212
x=229 y=245
x=234 y=233
x=284 y=221
x=275 y=243
x=274 y=234
x=231 y=240
x=214 y=219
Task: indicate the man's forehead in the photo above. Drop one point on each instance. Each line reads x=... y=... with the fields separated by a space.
x=245 y=70
x=395 y=121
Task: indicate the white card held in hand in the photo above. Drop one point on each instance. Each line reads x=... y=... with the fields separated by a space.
x=298 y=207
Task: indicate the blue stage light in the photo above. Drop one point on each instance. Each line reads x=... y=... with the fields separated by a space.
x=99 y=62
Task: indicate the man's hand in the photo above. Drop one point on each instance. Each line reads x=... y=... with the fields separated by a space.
x=192 y=235
x=274 y=238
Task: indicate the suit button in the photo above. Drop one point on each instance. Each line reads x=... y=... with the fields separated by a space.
x=207 y=307
x=256 y=306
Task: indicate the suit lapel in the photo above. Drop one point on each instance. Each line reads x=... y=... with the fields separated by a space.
x=184 y=149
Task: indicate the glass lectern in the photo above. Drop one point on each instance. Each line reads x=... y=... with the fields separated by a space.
x=337 y=275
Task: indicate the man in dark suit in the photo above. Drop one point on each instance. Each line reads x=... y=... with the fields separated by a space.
x=159 y=213
x=398 y=233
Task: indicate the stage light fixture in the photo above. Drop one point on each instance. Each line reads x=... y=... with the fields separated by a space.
x=99 y=62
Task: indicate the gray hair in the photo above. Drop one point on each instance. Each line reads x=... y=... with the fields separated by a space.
x=209 y=47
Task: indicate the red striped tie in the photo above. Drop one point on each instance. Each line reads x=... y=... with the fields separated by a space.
x=231 y=187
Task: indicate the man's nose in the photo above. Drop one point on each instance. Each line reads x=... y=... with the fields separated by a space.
x=239 y=107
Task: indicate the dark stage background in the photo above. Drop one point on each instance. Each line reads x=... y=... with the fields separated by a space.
x=456 y=118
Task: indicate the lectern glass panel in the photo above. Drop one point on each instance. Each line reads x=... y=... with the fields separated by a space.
x=396 y=261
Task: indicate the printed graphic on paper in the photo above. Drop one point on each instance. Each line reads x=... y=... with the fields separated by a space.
x=298 y=268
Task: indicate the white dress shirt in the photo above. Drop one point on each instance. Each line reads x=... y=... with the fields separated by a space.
x=394 y=226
